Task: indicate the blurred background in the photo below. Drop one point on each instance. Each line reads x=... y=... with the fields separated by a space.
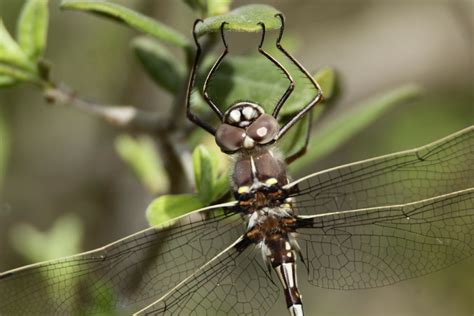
x=63 y=162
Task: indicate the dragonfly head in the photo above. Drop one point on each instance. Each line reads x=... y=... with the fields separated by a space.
x=245 y=126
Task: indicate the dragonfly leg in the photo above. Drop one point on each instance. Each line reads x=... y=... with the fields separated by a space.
x=192 y=80
x=316 y=99
x=216 y=65
x=291 y=86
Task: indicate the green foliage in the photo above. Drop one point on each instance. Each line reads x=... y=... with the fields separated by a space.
x=209 y=185
x=217 y=7
x=197 y=5
x=243 y=19
x=256 y=78
x=131 y=18
x=10 y=52
x=32 y=28
x=7 y=81
x=14 y=63
x=168 y=207
x=160 y=64
x=4 y=144
x=11 y=75
x=140 y=155
x=103 y=297
x=19 y=62
x=62 y=239
x=205 y=170
x=326 y=77
x=209 y=7
x=339 y=130
x=296 y=136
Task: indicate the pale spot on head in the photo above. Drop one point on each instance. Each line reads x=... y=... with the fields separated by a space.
x=249 y=112
x=248 y=142
x=235 y=115
x=244 y=123
x=262 y=131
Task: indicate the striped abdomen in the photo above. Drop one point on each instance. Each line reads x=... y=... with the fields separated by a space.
x=282 y=257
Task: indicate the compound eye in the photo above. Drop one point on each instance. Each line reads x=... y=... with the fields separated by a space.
x=264 y=129
x=229 y=138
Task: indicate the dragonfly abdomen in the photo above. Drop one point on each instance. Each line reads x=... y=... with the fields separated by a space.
x=282 y=257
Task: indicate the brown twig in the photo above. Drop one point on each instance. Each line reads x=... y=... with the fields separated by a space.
x=126 y=117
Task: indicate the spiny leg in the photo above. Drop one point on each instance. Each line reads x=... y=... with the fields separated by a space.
x=319 y=96
x=302 y=150
x=291 y=87
x=192 y=79
x=213 y=70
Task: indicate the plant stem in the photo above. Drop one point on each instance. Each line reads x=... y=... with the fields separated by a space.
x=127 y=117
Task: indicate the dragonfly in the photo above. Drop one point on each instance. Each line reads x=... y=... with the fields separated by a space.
x=362 y=225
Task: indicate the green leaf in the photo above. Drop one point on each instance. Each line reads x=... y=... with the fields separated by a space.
x=255 y=78
x=197 y=5
x=243 y=19
x=16 y=73
x=222 y=185
x=32 y=28
x=62 y=239
x=339 y=130
x=295 y=139
x=102 y=296
x=140 y=155
x=205 y=173
x=160 y=64
x=4 y=144
x=7 y=81
x=131 y=18
x=326 y=77
x=218 y=7
x=11 y=53
x=209 y=184
x=209 y=7
x=168 y=207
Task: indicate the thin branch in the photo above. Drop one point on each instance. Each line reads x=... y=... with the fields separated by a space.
x=127 y=117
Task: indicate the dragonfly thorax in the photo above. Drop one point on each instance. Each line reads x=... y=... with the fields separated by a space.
x=258 y=180
x=271 y=223
x=245 y=126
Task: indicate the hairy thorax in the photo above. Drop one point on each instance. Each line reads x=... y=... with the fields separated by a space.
x=258 y=179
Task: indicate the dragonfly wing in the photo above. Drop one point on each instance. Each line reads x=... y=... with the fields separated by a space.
x=123 y=276
x=444 y=166
x=235 y=283
x=379 y=246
